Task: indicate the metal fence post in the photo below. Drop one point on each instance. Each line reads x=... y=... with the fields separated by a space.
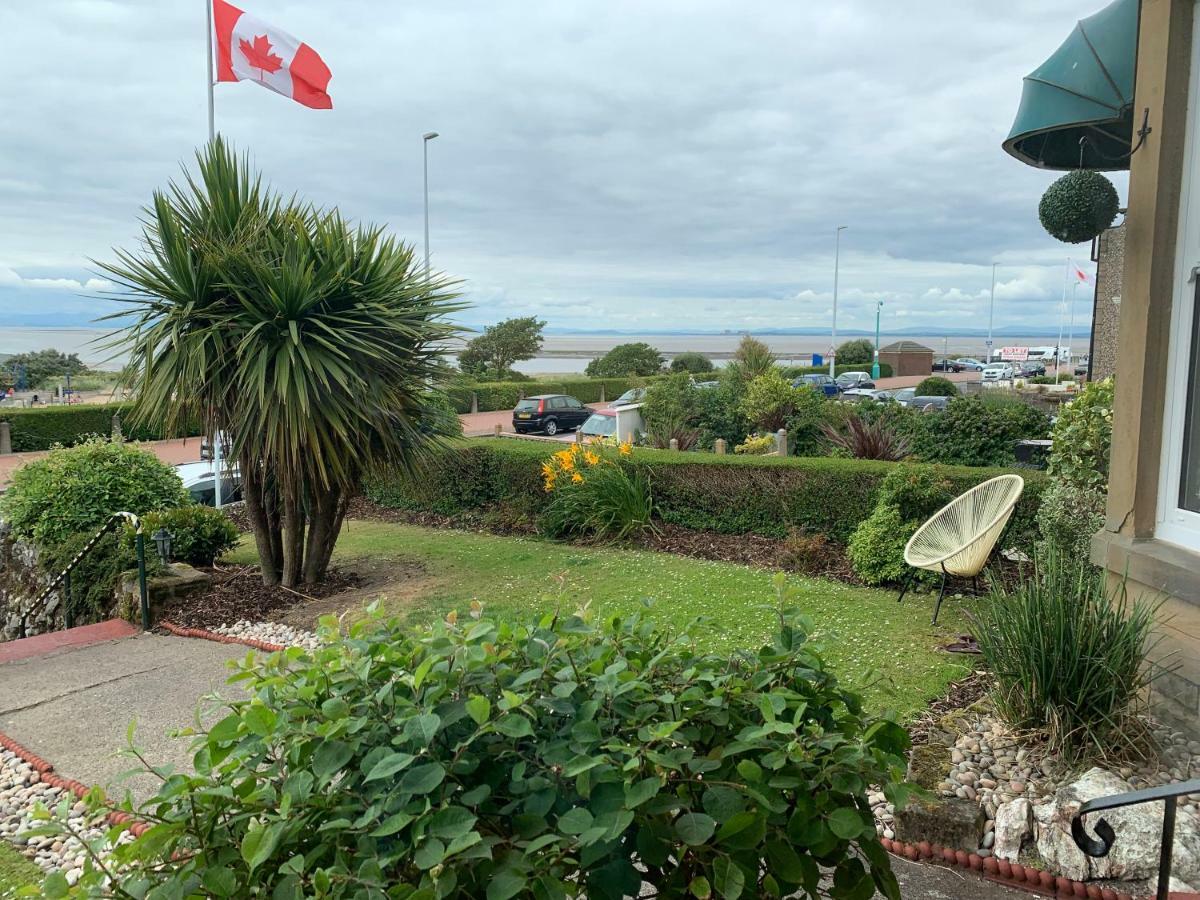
x=781 y=442
x=5 y=437
x=719 y=446
x=140 y=544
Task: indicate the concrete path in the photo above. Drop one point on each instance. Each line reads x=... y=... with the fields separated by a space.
x=73 y=706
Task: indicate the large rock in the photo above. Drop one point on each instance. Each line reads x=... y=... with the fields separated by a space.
x=1014 y=823
x=1138 y=829
x=952 y=823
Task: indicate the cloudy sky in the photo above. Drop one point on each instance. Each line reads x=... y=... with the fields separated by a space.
x=629 y=164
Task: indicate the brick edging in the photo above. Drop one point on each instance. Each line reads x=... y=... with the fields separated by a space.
x=206 y=635
x=47 y=775
x=1004 y=872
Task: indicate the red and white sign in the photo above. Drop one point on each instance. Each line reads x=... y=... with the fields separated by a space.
x=1014 y=354
x=248 y=49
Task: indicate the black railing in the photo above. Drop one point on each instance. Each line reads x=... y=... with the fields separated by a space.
x=1168 y=794
x=64 y=577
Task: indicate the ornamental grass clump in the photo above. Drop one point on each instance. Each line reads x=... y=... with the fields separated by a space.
x=564 y=757
x=596 y=492
x=1068 y=656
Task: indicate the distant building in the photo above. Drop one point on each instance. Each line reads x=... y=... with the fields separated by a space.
x=907 y=358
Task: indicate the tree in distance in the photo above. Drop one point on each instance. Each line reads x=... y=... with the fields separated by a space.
x=490 y=356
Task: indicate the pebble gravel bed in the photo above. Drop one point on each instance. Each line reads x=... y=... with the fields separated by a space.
x=990 y=765
x=21 y=789
x=271 y=633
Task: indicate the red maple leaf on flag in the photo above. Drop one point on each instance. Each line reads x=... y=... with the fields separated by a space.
x=259 y=54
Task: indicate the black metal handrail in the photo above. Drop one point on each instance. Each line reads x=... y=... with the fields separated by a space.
x=64 y=577
x=1167 y=793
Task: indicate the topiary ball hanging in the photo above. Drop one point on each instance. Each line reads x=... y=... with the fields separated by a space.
x=1079 y=206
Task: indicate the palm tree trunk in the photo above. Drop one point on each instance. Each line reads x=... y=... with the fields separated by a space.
x=325 y=521
x=293 y=532
x=259 y=510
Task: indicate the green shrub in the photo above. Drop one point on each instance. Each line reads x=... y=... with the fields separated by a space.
x=75 y=489
x=856 y=352
x=671 y=410
x=695 y=363
x=728 y=494
x=1068 y=657
x=480 y=759
x=1083 y=438
x=751 y=359
x=936 y=386
x=45 y=427
x=756 y=445
x=876 y=548
x=719 y=411
x=1069 y=516
x=885 y=370
x=625 y=360
x=1079 y=206
x=1042 y=379
x=866 y=437
x=593 y=492
x=199 y=534
x=971 y=432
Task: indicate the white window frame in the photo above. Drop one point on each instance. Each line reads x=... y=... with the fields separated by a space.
x=1176 y=524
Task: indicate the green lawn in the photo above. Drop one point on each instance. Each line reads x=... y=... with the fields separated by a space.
x=16 y=871
x=889 y=650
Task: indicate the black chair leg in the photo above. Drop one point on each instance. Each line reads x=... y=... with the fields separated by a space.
x=907 y=581
x=941 y=594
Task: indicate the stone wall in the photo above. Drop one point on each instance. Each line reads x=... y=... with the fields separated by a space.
x=1106 y=314
x=21 y=581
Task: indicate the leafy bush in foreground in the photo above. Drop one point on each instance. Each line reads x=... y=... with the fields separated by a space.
x=1083 y=437
x=971 y=432
x=1068 y=656
x=483 y=759
x=75 y=489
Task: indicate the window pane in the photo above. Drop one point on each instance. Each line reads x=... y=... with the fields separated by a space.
x=1189 y=480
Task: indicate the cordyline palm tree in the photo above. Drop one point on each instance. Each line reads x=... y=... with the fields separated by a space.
x=310 y=343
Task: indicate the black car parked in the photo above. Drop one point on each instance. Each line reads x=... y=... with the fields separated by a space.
x=1031 y=369
x=550 y=413
x=947 y=365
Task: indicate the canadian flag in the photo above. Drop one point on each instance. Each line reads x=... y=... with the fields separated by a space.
x=248 y=49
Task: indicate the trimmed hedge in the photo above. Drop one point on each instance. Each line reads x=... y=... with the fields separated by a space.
x=885 y=370
x=728 y=494
x=502 y=395
x=42 y=428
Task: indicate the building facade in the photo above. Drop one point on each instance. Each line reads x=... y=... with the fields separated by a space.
x=1106 y=308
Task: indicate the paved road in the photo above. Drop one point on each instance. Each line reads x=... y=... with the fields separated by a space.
x=72 y=707
x=172 y=452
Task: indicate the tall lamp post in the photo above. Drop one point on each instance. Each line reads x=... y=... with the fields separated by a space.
x=425 y=139
x=837 y=249
x=875 y=364
x=991 y=310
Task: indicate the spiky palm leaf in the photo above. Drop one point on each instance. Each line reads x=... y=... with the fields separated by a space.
x=310 y=342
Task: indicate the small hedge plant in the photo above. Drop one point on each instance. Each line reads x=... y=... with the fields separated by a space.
x=489 y=760
x=595 y=492
x=199 y=534
x=75 y=489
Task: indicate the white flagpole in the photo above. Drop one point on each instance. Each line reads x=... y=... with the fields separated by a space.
x=208 y=9
x=1058 y=346
x=1071 y=329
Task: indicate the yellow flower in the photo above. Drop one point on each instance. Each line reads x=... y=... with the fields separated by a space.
x=591 y=458
x=577 y=478
x=568 y=464
x=626 y=448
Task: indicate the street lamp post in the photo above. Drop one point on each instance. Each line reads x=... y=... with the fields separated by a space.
x=991 y=310
x=425 y=139
x=875 y=364
x=837 y=248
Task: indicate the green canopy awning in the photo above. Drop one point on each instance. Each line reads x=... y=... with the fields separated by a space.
x=1084 y=88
